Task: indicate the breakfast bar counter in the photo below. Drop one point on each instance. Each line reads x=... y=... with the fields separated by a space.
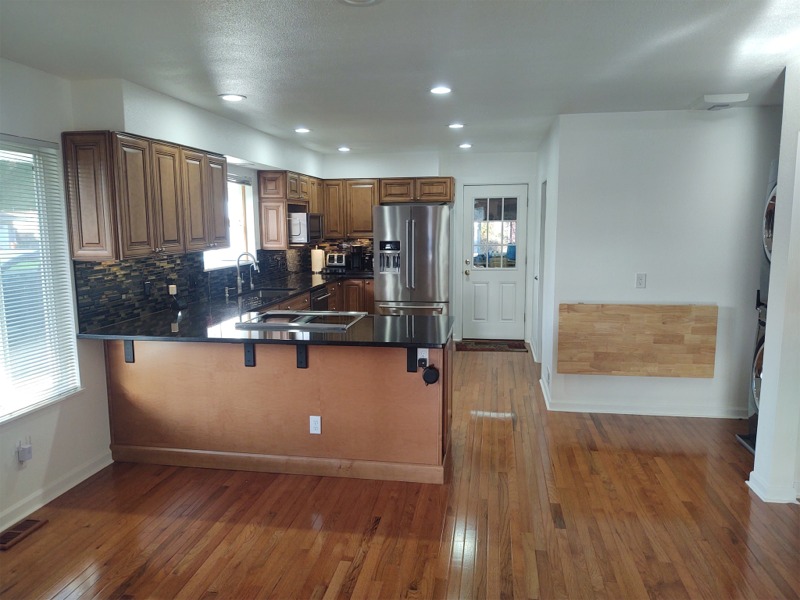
x=223 y=397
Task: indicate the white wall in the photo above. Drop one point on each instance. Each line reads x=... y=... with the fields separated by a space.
x=402 y=164
x=677 y=195
x=548 y=171
x=120 y=105
x=776 y=475
x=71 y=437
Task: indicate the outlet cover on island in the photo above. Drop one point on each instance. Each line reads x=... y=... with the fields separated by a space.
x=314 y=425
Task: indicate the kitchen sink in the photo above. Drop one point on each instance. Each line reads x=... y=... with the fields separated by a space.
x=302 y=320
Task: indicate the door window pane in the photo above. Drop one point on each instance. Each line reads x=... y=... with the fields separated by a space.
x=494 y=233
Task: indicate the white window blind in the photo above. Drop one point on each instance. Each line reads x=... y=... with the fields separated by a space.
x=38 y=353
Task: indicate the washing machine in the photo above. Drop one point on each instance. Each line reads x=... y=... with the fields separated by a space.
x=748 y=440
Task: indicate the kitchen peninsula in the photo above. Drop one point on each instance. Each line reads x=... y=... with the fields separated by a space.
x=189 y=388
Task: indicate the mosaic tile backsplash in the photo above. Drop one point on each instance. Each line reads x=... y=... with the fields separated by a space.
x=110 y=292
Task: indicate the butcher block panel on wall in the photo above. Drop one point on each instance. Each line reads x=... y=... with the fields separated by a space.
x=655 y=340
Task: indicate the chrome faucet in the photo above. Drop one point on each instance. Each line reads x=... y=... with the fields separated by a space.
x=239 y=278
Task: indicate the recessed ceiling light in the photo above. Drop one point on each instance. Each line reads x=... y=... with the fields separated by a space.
x=344 y=149
x=232 y=97
x=359 y=2
x=456 y=126
x=465 y=146
x=302 y=130
x=441 y=89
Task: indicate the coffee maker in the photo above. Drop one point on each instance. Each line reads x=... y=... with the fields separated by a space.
x=357 y=258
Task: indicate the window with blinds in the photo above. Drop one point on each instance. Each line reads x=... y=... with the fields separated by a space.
x=38 y=353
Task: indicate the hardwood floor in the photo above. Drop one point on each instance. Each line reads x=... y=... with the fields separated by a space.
x=539 y=505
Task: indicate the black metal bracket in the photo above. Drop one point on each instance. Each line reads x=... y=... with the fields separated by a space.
x=302 y=356
x=411 y=360
x=129 y=356
x=249 y=355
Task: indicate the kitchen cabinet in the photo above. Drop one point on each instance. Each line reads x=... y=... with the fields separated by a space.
x=333 y=209
x=134 y=196
x=334 y=301
x=204 y=180
x=272 y=184
x=274 y=232
x=315 y=195
x=166 y=176
x=92 y=217
x=130 y=196
x=360 y=196
x=358 y=295
x=417 y=189
x=301 y=302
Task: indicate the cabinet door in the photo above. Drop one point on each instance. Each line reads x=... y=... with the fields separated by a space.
x=134 y=196
x=362 y=195
x=301 y=302
x=353 y=294
x=272 y=184
x=397 y=190
x=314 y=195
x=218 y=229
x=333 y=208
x=334 y=303
x=167 y=198
x=92 y=217
x=293 y=186
x=434 y=189
x=194 y=182
x=369 y=296
x=305 y=187
x=274 y=230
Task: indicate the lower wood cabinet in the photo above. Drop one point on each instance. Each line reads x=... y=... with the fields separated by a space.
x=334 y=300
x=301 y=302
x=358 y=295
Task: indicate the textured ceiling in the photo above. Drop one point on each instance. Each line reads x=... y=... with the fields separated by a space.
x=360 y=75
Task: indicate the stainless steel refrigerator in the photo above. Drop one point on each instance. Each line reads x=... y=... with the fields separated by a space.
x=412 y=259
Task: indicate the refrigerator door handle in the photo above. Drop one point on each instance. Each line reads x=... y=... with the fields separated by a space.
x=412 y=254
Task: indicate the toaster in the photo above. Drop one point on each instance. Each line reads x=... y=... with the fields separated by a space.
x=335 y=259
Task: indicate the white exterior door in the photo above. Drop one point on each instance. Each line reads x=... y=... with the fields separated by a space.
x=493 y=262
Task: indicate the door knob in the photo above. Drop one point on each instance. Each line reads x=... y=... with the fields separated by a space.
x=466 y=272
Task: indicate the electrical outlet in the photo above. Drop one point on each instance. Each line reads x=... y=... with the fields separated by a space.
x=148 y=288
x=24 y=452
x=641 y=280
x=173 y=290
x=422 y=357
x=547 y=375
x=315 y=425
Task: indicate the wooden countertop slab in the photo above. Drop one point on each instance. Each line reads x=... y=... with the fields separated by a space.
x=653 y=340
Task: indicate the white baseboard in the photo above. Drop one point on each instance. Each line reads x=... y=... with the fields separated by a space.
x=656 y=410
x=39 y=498
x=548 y=401
x=782 y=494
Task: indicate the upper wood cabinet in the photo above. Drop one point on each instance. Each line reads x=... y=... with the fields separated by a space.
x=166 y=175
x=130 y=196
x=272 y=184
x=219 y=231
x=315 y=195
x=333 y=209
x=417 y=189
x=361 y=196
x=274 y=232
x=92 y=215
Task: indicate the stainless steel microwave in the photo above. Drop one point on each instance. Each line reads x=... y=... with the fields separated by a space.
x=305 y=228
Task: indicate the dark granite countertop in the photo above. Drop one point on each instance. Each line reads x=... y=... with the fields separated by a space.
x=215 y=322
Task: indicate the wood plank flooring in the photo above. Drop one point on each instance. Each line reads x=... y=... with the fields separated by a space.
x=539 y=505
